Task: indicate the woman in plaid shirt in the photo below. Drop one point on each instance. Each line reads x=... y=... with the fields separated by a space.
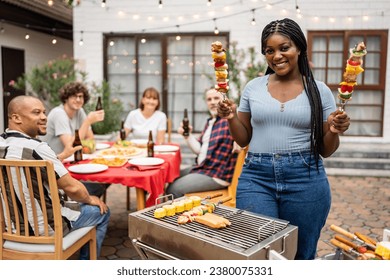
x=215 y=159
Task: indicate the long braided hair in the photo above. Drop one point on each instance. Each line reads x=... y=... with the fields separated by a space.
x=290 y=29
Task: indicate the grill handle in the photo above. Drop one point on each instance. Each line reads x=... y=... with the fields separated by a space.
x=141 y=247
x=273 y=255
x=162 y=198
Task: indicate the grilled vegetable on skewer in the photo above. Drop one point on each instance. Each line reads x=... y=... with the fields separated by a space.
x=189 y=216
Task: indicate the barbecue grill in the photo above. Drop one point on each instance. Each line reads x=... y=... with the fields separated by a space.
x=250 y=236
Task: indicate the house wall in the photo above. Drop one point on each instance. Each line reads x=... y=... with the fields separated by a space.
x=37 y=50
x=132 y=17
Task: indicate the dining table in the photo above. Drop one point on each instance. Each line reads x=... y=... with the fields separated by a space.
x=149 y=180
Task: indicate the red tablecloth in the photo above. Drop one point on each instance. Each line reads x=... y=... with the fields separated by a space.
x=152 y=180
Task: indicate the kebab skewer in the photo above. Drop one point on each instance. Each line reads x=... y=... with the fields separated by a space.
x=218 y=53
x=209 y=207
x=352 y=70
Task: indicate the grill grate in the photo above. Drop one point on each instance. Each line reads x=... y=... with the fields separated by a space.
x=246 y=230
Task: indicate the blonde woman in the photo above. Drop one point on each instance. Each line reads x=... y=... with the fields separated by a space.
x=147 y=117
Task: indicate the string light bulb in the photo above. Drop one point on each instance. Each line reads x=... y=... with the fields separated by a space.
x=253 y=22
x=216 y=30
x=103 y=3
x=50 y=3
x=27 y=36
x=209 y=3
x=297 y=7
x=160 y=4
x=2 y=30
x=178 y=37
x=54 y=40
x=81 y=42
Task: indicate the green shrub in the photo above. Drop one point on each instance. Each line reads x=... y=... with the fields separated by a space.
x=113 y=109
x=45 y=81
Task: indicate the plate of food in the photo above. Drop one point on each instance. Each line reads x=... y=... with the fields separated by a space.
x=111 y=161
x=102 y=146
x=146 y=161
x=123 y=143
x=126 y=152
x=87 y=168
x=165 y=148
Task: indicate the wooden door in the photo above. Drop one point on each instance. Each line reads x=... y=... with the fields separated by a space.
x=12 y=68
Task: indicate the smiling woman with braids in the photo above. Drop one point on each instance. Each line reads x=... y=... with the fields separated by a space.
x=290 y=122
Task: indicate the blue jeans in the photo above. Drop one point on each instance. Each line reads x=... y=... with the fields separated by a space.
x=90 y=216
x=283 y=186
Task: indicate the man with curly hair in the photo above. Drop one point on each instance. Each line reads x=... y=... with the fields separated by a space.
x=64 y=119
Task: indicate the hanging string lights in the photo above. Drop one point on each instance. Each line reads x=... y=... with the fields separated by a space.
x=295 y=9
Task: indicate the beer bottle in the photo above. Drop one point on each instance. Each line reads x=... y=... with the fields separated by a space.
x=78 y=155
x=99 y=105
x=186 y=123
x=122 y=132
x=150 y=145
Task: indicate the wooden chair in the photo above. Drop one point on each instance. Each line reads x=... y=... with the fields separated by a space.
x=21 y=180
x=229 y=191
x=169 y=129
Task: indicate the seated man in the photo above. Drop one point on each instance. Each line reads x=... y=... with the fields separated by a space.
x=27 y=120
x=64 y=119
x=216 y=158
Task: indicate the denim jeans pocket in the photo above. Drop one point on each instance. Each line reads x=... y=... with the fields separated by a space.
x=308 y=160
x=248 y=160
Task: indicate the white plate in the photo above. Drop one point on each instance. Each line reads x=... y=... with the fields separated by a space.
x=146 y=161
x=85 y=156
x=88 y=168
x=101 y=146
x=165 y=148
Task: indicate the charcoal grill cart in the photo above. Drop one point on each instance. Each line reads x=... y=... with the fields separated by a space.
x=250 y=236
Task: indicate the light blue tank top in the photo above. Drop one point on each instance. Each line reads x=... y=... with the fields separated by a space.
x=277 y=130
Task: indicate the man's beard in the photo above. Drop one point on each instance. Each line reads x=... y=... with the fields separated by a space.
x=41 y=133
x=213 y=112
